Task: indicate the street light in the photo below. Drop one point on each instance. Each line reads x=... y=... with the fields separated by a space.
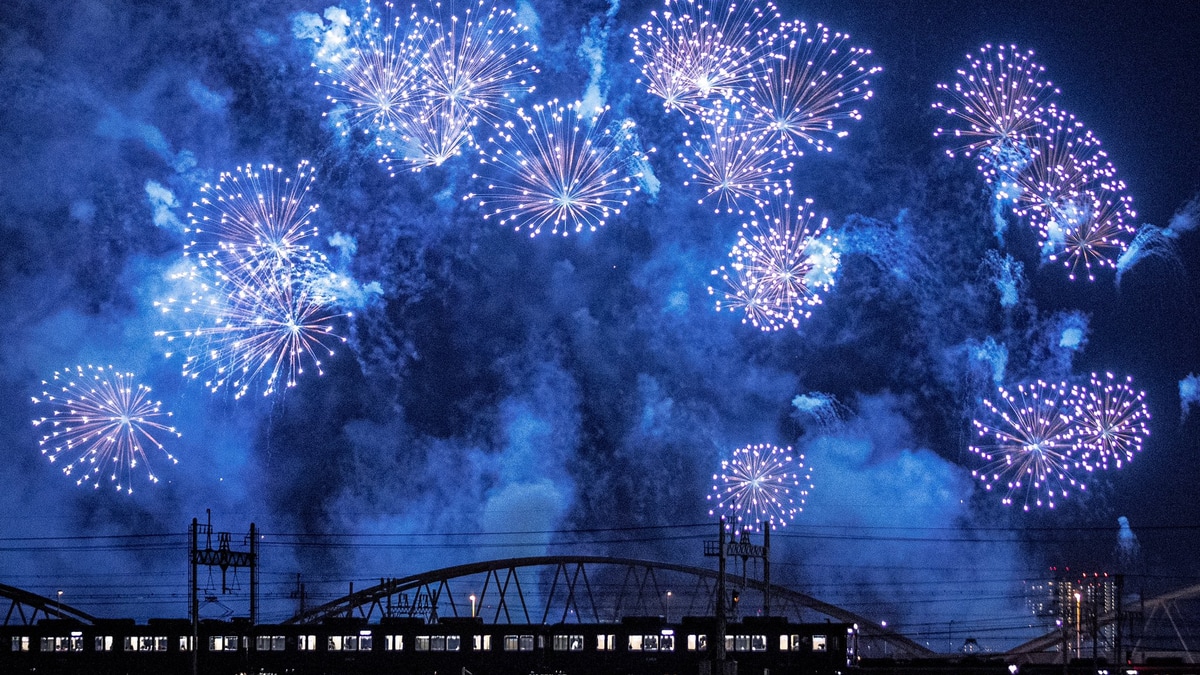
x=668 y=606
x=60 y=601
x=472 y=605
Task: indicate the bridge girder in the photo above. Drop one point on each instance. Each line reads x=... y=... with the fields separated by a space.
x=25 y=608
x=568 y=585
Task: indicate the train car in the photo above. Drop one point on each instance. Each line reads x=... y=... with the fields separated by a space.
x=347 y=646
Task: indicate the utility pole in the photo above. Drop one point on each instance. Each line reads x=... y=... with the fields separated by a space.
x=718 y=550
x=224 y=557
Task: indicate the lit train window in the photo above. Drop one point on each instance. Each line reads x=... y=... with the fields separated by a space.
x=758 y=643
x=104 y=643
x=604 y=643
x=73 y=643
x=697 y=643
x=453 y=643
x=20 y=643
x=306 y=643
x=819 y=643
x=437 y=643
x=482 y=642
x=363 y=642
x=269 y=643
x=794 y=642
x=635 y=643
x=185 y=643
x=222 y=643
x=146 y=643
x=567 y=643
x=393 y=643
x=666 y=641
x=518 y=643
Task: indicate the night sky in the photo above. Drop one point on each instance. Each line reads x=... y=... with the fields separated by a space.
x=526 y=391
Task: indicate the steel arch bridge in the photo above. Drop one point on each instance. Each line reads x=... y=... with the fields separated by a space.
x=1162 y=607
x=577 y=589
x=26 y=609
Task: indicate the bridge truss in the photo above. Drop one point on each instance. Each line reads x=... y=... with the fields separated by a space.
x=582 y=589
x=25 y=608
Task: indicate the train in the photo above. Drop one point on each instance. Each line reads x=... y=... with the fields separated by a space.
x=412 y=646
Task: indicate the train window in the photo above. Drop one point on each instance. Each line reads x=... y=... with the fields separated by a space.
x=758 y=643
x=349 y=643
x=269 y=643
x=185 y=643
x=393 y=643
x=666 y=641
x=819 y=643
x=366 y=642
x=482 y=642
x=422 y=643
x=783 y=643
x=72 y=643
x=697 y=643
x=20 y=643
x=437 y=643
x=306 y=643
x=103 y=643
x=635 y=643
x=567 y=643
x=222 y=643
x=518 y=643
x=453 y=643
x=605 y=643
x=146 y=643
x=794 y=642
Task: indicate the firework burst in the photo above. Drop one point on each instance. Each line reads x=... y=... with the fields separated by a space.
x=428 y=138
x=101 y=425
x=807 y=84
x=374 y=70
x=254 y=328
x=253 y=217
x=732 y=166
x=780 y=263
x=1110 y=418
x=1064 y=160
x=1092 y=229
x=1027 y=446
x=477 y=61
x=693 y=52
x=761 y=483
x=995 y=102
x=559 y=170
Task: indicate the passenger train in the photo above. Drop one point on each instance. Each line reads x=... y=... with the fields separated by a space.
x=457 y=646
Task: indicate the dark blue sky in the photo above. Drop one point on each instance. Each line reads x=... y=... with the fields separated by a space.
x=498 y=384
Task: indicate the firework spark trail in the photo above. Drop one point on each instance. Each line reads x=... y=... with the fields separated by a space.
x=761 y=483
x=780 y=262
x=806 y=84
x=477 y=61
x=693 y=52
x=732 y=166
x=1027 y=446
x=253 y=217
x=1065 y=160
x=374 y=72
x=101 y=424
x=1110 y=417
x=428 y=138
x=254 y=328
x=558 y=169
x=1093 y=229
x=995 y=102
